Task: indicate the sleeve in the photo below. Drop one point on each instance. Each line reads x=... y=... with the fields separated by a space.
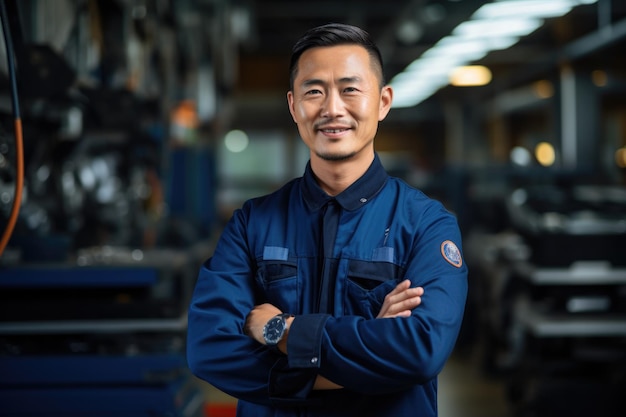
x=377 y=356
x=218 y=351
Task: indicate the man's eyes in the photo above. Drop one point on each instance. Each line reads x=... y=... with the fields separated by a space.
x=345 y=90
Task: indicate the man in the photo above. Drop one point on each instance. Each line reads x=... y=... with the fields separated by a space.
x=342 y=293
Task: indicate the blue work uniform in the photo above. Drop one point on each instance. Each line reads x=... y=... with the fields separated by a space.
x=271 y=251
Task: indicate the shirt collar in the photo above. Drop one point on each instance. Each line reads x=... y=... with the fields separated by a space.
x=353 y=197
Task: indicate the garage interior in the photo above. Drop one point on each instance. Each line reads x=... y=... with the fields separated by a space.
x=144 y=123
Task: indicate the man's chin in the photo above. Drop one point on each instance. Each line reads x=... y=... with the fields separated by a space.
x=335 y=156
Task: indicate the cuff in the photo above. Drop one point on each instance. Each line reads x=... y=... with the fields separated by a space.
x=289 y=385
x=304 y=342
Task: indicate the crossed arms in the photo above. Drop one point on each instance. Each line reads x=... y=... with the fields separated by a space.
x=398 y=303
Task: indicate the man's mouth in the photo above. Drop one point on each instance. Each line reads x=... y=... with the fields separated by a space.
x=333 y=130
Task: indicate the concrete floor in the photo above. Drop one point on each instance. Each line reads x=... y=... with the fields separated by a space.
x=465 y=391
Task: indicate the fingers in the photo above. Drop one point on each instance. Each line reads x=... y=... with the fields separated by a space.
x=403 y=293
x=401 y=300
x=402 y=286
x=403 y=306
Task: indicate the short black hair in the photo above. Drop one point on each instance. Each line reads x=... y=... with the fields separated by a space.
x=333 y=34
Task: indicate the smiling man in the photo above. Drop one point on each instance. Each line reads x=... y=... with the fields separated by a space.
x=342 y=293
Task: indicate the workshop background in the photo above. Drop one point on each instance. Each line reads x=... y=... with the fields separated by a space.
x=130 y=130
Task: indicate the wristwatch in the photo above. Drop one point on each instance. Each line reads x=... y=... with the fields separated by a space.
x=275 y=328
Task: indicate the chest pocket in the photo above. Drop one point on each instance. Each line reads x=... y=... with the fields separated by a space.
x=277 y=278
x=367 y=285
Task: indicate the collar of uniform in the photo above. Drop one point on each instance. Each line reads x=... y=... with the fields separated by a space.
x=353 y=197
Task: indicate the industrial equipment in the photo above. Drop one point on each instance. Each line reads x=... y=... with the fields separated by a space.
x=97 y=274
x=554 y=288
x=102 y=336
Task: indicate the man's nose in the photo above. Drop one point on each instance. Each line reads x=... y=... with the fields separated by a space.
x=333 y=105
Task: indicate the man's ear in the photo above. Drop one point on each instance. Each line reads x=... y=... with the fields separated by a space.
x=386 y=98
x=290 y=104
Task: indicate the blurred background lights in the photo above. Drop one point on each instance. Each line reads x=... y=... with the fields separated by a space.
x=520 y=156
x=470 y=76
x=545 y=154
x=409 y=32
x=599 y=78
x=620 y=157
x=494 y=26
x=543 y=89
x=525 y=8
x=236 y=141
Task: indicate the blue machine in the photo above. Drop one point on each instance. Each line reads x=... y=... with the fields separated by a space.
x=102 y=339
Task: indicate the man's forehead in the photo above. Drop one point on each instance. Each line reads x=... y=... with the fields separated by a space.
x=348 y=61
x=335 y=50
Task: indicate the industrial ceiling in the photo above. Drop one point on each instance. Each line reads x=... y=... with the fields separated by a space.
x=247 y=43
x=404 y=30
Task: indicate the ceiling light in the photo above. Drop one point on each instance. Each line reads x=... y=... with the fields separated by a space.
x=494 y=26
x=545 y=154
x=498 y=27
x=525 y=8
x=459 y=48
x=470 y=76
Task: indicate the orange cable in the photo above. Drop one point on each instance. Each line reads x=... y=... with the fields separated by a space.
x=17 y=200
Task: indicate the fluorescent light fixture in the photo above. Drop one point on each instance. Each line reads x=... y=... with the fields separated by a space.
x=494 y=26
x=434 y=63
x=461 y=48
x=411 y=95
x=527 y=8
x=520 y=26
x=501 y=42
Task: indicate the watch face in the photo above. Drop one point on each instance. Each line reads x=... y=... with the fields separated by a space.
x=273 y=330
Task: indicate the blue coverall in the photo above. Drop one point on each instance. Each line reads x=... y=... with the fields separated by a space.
x=270 y=252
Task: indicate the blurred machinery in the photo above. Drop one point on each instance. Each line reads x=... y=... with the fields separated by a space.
x=92 y=169
x=97 y=276
x=553 y=292
x=92 y=307
x=106 y=338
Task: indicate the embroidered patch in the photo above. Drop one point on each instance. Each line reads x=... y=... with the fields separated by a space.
x=451 y=253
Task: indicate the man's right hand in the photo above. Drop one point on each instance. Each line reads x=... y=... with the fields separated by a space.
x=401 y=301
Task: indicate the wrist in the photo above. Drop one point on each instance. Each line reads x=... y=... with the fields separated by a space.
x=276 y=328
x=282 y=343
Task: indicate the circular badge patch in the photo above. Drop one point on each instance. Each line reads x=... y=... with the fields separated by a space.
x=451 y=253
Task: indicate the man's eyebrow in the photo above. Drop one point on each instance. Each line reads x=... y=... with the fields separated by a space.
x=343 y=80
x=312 y=81
x=348 y=80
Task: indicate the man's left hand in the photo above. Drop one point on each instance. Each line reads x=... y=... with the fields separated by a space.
x=257 y=319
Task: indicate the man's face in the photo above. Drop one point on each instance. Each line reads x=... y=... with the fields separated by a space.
x=337 y=101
